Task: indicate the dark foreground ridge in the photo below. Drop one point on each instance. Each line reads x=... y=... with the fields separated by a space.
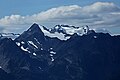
x=34 y=56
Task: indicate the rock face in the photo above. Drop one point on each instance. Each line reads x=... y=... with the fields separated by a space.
x=35 y=56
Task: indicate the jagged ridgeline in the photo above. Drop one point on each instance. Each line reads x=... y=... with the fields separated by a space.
x=60 y=53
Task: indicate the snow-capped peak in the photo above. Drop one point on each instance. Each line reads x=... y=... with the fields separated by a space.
x=64 y=32
x=56 y=34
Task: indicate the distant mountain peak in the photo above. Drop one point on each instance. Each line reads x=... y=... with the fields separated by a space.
x=9 y=35
x=70 y=30
x=66 y=31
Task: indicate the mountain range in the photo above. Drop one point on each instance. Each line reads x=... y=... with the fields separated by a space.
x=60 y=53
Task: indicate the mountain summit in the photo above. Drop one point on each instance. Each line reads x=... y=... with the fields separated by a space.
x=34 y=28
x=33 y=31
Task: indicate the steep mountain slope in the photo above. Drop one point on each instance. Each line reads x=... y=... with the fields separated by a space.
x=36 y=56
x=94 y=56
x=5 y=76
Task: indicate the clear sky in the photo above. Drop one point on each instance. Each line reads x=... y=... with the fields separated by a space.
x=29 y=8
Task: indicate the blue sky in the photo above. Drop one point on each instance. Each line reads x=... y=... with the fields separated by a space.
x=17 y=10
x=29 y=7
